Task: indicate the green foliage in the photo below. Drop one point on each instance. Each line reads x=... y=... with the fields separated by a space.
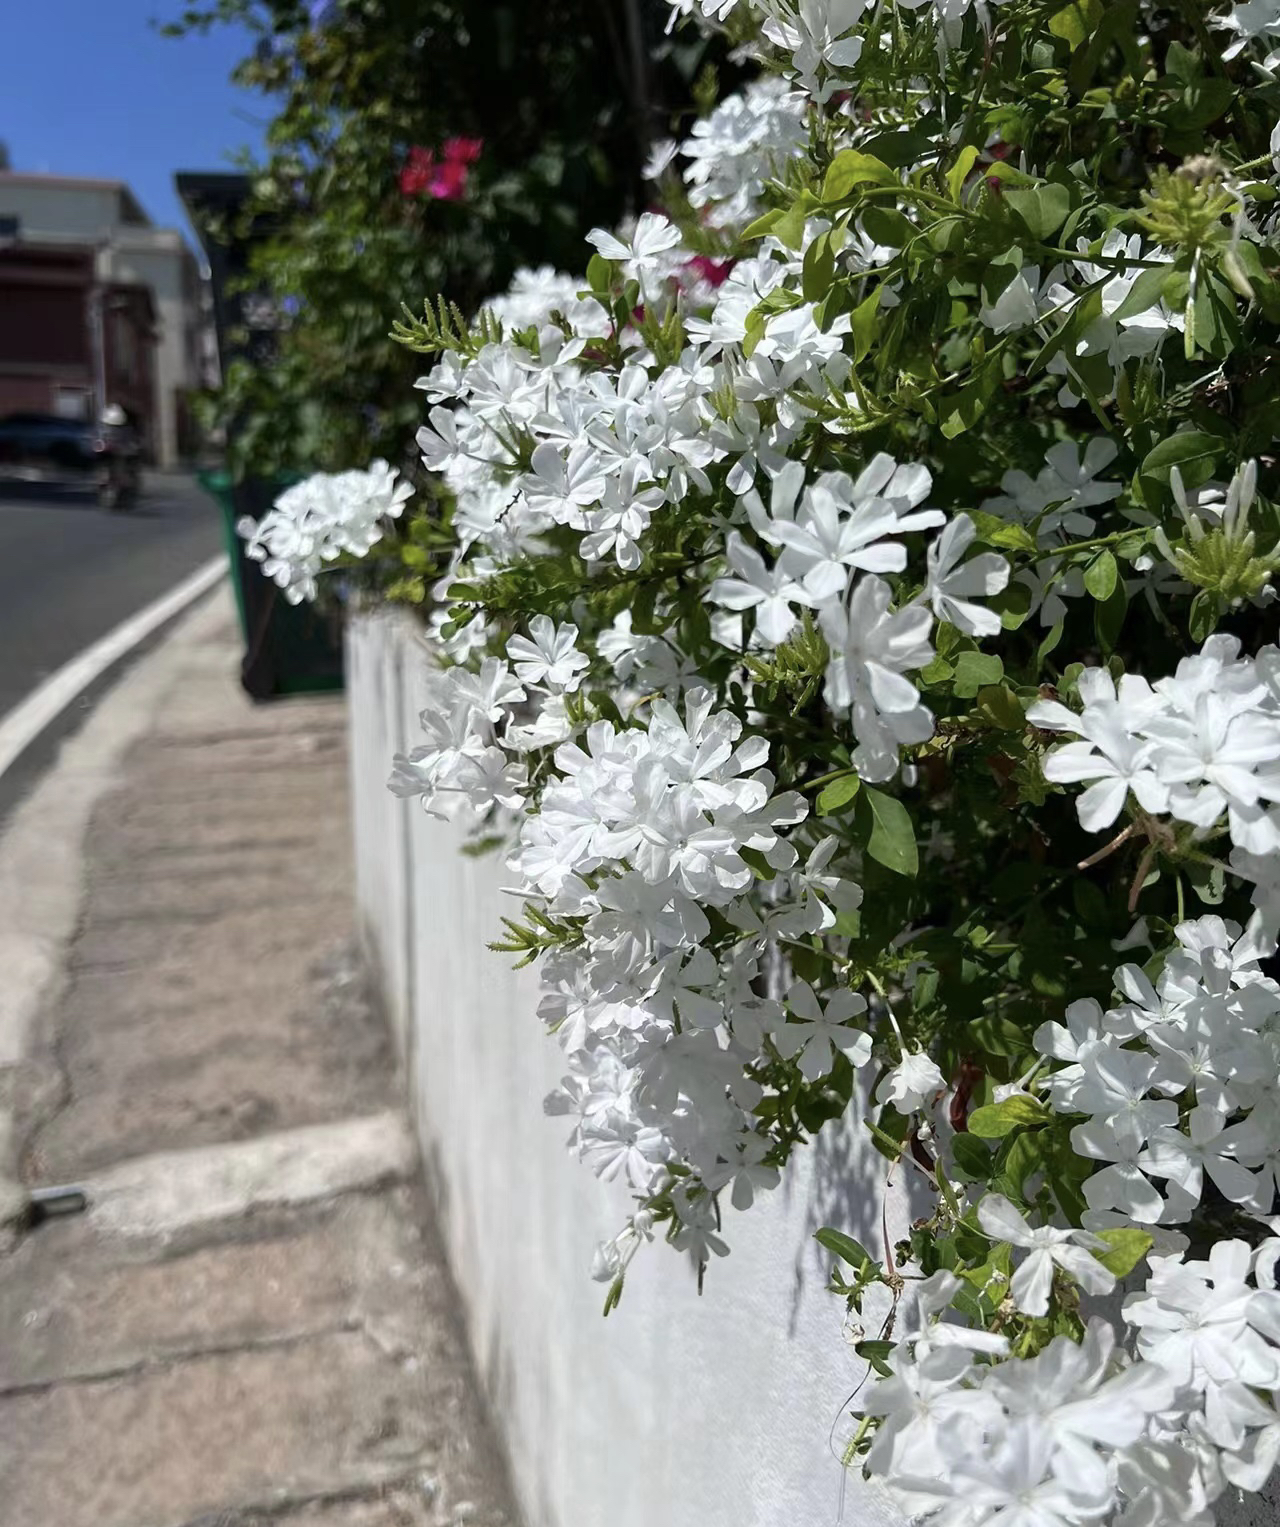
x=565 y=100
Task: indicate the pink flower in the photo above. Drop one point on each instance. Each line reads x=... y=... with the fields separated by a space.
x=416 y=175
x=714 y=271
x=448 y=181
x=445 y=180
x=463 y=150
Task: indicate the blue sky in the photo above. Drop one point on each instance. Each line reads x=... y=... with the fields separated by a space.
x=89 y=87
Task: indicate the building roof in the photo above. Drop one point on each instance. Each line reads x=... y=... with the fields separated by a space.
x=132 y=207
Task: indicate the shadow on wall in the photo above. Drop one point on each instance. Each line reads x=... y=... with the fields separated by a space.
x=854 y=1191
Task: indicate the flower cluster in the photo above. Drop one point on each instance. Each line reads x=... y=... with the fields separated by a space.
x=444 y=178
x=968 y=1430
x=1177 y=1083
x=329 y=515
x=1201 y=746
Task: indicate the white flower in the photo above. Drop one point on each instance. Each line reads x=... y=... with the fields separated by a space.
x=769 y=591
x=911 y=1083
x=952 y=583
x=822 y=1032
x=642 y=256
x=841 y=525
x=872 y=649
x=548 y=655
x=661 y=155
x=1048 y=1248
x=1018 y=306
x=814 y=34
x=1196 y=1320
x=1208 y=1148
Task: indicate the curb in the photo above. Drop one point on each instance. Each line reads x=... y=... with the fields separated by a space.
x=42 y=854
x=20 y=727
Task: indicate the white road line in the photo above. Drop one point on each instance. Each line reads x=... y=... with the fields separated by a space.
x=24 y=723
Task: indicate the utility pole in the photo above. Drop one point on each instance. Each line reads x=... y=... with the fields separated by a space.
x=98 y=328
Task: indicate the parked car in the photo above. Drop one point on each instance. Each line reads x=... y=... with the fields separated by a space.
x=47 y=448
x=39 y=445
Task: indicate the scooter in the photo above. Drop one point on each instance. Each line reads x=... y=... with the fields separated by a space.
x=117 y=457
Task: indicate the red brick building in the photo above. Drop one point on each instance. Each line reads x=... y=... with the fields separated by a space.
x=65 y=338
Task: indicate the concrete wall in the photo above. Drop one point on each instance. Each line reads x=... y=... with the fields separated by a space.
x=677 y=1411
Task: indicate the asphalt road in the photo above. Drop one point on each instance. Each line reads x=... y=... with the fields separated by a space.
x=70 y=572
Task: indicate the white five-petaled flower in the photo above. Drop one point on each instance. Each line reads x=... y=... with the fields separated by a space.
x=822 y=1030
x=769 y=591
x=911 y=1083
x=1047 y=1248
x=953 y=583
x=642 y=256
x=548 y=655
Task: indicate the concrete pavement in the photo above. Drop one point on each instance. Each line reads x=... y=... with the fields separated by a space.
x=253 y=1322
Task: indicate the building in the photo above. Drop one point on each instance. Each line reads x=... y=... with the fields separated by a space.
x=128 y=254
x=66 y=338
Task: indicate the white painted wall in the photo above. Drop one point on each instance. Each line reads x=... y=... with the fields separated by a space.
x=677 y=1411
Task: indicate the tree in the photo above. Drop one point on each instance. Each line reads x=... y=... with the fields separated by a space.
x=548 y=109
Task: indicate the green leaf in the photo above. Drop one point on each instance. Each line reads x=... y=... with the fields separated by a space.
x=962 y=410
x=1108 y=617
x=1202 y=102
x=1100 y=575
x=863 y=322
x=876 y=1353
x=1202 y=618
x=837 y=794
x=757 y=862
x=888 y=226
x=972 y=1157
x=997 y=532
x=960 y=170
x=789 y=229
x=1064 y=338
x=1077 y=22
x=974 y=671
x=893 y=839
x=1022 y=1155
x=1183 y=63
x=600 y=274
x=1193 y=452
x=818 y=269
x=1145 y=293
x=1042 y=211
x=998 y=704
x=1048 y=644
x=851 y=168
x=901 y=148
x=1128 y=1247
x=997 y=1120
x=766 y=223
x=847 y=1249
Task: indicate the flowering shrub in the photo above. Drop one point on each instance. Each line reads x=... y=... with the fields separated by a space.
x=858 y=618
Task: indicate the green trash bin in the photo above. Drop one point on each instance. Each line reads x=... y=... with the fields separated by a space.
x=289 y=649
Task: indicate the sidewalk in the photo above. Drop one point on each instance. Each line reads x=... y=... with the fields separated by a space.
x=253 y=1322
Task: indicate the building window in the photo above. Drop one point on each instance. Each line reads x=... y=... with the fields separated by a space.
x=71 y=402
